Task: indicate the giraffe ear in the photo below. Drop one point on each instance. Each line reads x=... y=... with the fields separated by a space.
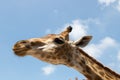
x=83 y=41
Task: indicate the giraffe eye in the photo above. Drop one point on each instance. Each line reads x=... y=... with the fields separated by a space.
x=58 y=41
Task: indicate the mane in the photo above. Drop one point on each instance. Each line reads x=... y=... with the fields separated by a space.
x=106 y=68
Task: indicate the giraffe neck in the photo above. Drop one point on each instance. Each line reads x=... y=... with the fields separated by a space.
x=89 y=67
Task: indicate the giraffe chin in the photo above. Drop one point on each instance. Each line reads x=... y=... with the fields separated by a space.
x=20 y=54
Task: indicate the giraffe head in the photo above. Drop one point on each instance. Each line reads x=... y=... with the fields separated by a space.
x=53 y=48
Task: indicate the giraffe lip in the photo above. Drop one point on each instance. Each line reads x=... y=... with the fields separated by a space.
x=18 y=50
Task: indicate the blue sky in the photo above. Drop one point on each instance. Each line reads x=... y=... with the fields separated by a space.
x=24 y=19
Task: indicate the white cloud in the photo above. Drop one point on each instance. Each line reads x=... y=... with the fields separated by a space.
x=47 y=70
x=96 y=50
x=79 y=29
x=114 y=3
x=93 y=50
x=118 y=6
x=106 y=2
x=107 y=42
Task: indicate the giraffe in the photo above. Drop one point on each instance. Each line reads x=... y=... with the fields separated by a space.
x=59 y=50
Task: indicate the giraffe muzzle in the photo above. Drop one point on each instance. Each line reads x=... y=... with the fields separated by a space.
x=21 y=47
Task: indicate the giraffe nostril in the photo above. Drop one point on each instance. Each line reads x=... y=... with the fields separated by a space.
x=28 y=46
